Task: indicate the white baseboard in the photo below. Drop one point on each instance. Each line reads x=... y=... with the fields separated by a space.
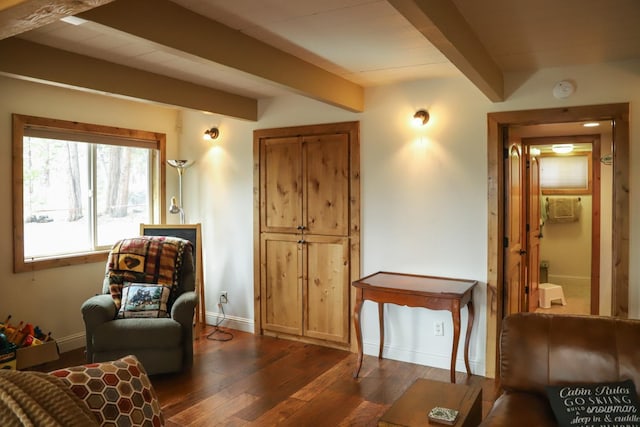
x=426 y=359
x=71 y=342
x=232 y=322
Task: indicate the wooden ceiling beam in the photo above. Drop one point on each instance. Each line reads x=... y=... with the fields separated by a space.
x=24 y=59
x=18 y=16
x=174 y=27
x=443 y=25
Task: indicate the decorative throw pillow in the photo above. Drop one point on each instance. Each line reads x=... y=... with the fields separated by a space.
x=118 y=393
x=144 y=300
x=595 y=405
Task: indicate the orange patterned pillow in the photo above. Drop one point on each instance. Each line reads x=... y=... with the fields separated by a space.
x=117 y=392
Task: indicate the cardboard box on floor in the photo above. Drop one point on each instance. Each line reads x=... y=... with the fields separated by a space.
x=36 y=354
x=8 y=357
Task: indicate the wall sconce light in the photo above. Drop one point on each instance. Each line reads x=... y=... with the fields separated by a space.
x=420 y=118
x=210 y=134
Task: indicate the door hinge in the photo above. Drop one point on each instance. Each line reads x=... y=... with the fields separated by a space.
x=526 y=290
x=505 y=242
x=505 y=153
x=527 y=228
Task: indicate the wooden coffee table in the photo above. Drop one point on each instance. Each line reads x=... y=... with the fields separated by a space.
x=412 y=407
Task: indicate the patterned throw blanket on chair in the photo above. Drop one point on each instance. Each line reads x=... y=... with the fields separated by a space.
x=145 y=259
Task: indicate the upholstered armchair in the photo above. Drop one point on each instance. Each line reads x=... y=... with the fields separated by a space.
x=147 y=305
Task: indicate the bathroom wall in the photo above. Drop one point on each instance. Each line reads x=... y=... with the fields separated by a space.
x=567 y=248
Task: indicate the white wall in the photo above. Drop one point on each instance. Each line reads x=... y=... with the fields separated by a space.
x=424 y=193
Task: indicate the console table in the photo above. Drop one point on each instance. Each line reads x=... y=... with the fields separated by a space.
x=435 y=293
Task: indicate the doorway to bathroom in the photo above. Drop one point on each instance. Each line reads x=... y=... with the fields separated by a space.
x=573 y=232
x=500 y=269
x=552 y=211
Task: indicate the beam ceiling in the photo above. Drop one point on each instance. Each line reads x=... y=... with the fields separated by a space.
x=443 y=25
x=181 y=30
x=21 y=58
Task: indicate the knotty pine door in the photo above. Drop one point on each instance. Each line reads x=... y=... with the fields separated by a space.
x=305 y=239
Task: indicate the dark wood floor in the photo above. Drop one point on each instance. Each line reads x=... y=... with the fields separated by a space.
x=262 y=381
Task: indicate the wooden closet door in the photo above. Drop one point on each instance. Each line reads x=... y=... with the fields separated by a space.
x=281 y=282
x=326 y=288
x=306 y=231
x=281 y=181
x=326 y=191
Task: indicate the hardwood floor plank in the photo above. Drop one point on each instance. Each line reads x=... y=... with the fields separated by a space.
x=288 y=375
x=215 y=411
x=365 y=415
x=343 y=369
x=328 y=409
x=279 y=413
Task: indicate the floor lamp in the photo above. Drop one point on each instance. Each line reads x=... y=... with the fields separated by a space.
x=180 y=166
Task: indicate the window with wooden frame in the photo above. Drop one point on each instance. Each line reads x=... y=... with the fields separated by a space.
x=566 y=174
x=78 y=188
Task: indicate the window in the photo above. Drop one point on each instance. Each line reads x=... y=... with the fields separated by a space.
x=79 y=187
x=565 y=174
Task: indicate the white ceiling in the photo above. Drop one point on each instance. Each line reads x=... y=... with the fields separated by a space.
x=369 y=42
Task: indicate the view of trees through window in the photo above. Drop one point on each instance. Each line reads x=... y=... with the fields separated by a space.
x=80 y=196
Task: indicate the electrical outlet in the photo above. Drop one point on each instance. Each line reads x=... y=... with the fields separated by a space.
x=224 y=298
x=438 y=328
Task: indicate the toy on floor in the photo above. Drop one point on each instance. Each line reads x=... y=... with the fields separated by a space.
x=22 y=336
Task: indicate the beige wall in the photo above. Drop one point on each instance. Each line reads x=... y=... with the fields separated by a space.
x=52 y=298
x=424 y=193
x=567 y=247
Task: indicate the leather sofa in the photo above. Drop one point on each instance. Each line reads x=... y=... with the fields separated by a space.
x=537 y=350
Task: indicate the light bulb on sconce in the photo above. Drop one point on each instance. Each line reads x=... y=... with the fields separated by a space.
x=174 y=209
x=211 y=134
x=420 y=118
x=180 y=166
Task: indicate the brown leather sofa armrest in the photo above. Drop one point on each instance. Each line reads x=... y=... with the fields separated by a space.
x=520 y=409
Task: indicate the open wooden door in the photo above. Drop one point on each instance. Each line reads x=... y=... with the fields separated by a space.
x=534 y=230
x=515 y=273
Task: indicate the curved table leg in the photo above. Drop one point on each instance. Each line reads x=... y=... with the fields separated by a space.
x=455 y=313
x=468 y=335
x=356 y=320
x=381 y=321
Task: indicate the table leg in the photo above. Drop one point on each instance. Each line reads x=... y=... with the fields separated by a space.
x=381 y=321
x=455 y=313
x=356 y=320
x=468 y=336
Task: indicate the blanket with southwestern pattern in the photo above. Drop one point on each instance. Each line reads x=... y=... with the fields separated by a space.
x=145 y=259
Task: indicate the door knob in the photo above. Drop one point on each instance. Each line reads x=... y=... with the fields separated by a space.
x=522 y=252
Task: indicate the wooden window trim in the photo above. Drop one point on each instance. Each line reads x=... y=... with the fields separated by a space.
x=135 y=138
